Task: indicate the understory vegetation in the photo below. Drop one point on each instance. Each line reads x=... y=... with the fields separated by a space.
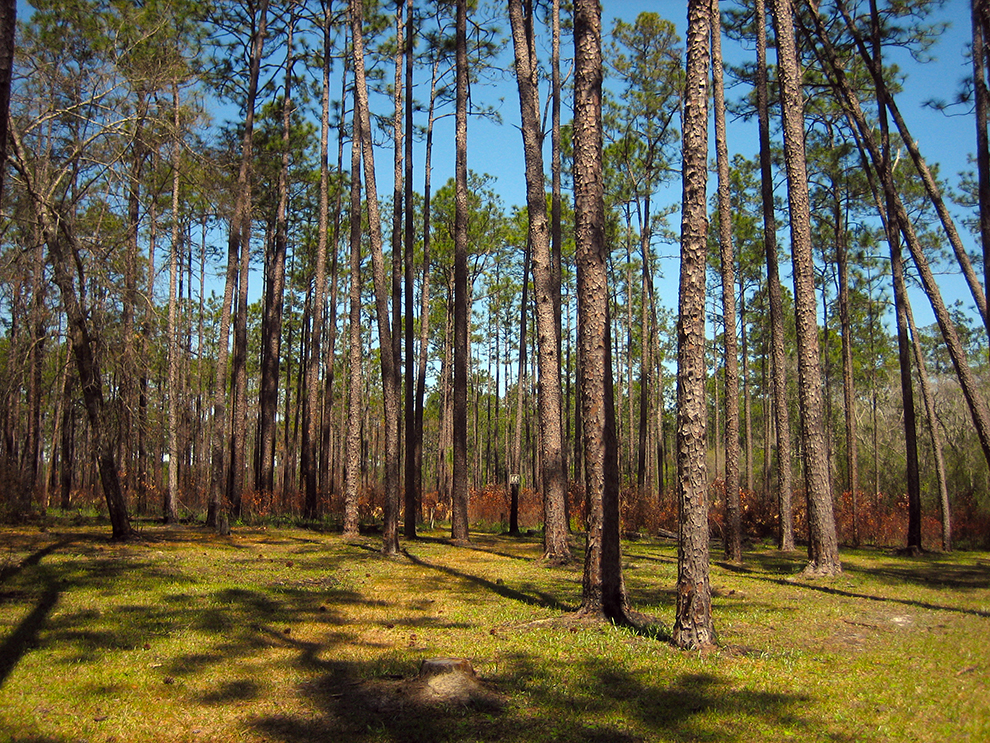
x=291 y=634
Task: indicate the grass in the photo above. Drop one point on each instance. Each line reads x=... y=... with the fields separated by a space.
x=289 y=635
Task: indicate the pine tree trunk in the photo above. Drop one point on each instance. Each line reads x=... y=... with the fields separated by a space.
x=554 y=485
x=823 y=545
x=311 y=439
x=352 y=468
x=223 y=476
x=848 y=391
x=413 y=442
x=733 y=523
x=459 y=495
x=172 y=492
x=390 y=377
x=603 y=590
x=778 y=366
x=271 y=342
x=693 y=626
x=981 y=105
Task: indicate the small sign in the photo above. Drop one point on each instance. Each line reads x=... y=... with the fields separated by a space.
x=514 y=479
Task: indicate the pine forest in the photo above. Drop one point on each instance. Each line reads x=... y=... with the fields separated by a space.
x=263 y=261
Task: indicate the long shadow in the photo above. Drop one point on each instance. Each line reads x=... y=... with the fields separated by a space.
x=11 y=570
x=25 y=636
x=542 y=600
x=869 y=597
x=597 y=704
x=931 y=574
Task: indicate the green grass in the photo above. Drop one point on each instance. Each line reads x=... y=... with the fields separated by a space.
x=290 y=635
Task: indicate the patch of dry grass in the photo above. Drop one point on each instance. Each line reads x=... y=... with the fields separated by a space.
x=289 y=635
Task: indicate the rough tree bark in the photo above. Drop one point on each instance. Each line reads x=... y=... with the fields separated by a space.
x=733 y=525
x=555 y=546
x=823 y=543
x=459 y=492
x=603 y=590
x=390 y=376
x=778 y=366
x=352 y=467
x=693 y=625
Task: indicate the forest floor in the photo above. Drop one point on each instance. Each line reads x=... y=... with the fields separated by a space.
x=294 y=635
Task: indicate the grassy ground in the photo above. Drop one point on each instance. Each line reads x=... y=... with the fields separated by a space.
x=291 y=635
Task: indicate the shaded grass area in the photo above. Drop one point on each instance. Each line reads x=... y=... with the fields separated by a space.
x=288 y=635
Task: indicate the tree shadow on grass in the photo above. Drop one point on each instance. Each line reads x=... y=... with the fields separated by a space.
x=537 y=598
x=527 y=700
x=834 y=591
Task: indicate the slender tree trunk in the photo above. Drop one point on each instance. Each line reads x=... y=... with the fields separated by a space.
x=982 y=103
x=647 y=326
x=64 y=253
x=974 y=400
x=927 y=396
x=603 y=590
x=556 y=227
x=397 y=194
x=521 y=385
x=38 y=334
x=309 y=458
x=823 y=546
x=693 y=625
x=848 y=391
x=424 y=312
x=222 y=478
x=271 y=346
x=390 y=379
x=411 y=500
x=733 y=523
x=778 y=361
x=555 y=546
x=172 y=493
x=352 y=469
x=900 y=297
x=459 y=505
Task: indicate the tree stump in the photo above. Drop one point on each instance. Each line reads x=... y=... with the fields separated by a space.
x=451 y=680
x=439 y=666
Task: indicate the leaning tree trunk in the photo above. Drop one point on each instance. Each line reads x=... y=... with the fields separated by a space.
x=65 y=258
x=390 y=377
x=981 y=103
x=967 y=382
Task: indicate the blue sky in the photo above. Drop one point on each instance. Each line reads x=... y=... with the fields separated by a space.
x=946 y=140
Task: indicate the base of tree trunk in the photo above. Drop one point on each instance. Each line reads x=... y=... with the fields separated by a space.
x=818 y=570
x=910 y=551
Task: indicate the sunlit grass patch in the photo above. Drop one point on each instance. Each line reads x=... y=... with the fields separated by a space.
x=284 y=634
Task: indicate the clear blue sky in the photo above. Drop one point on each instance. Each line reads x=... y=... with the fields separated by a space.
x=946 y=140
